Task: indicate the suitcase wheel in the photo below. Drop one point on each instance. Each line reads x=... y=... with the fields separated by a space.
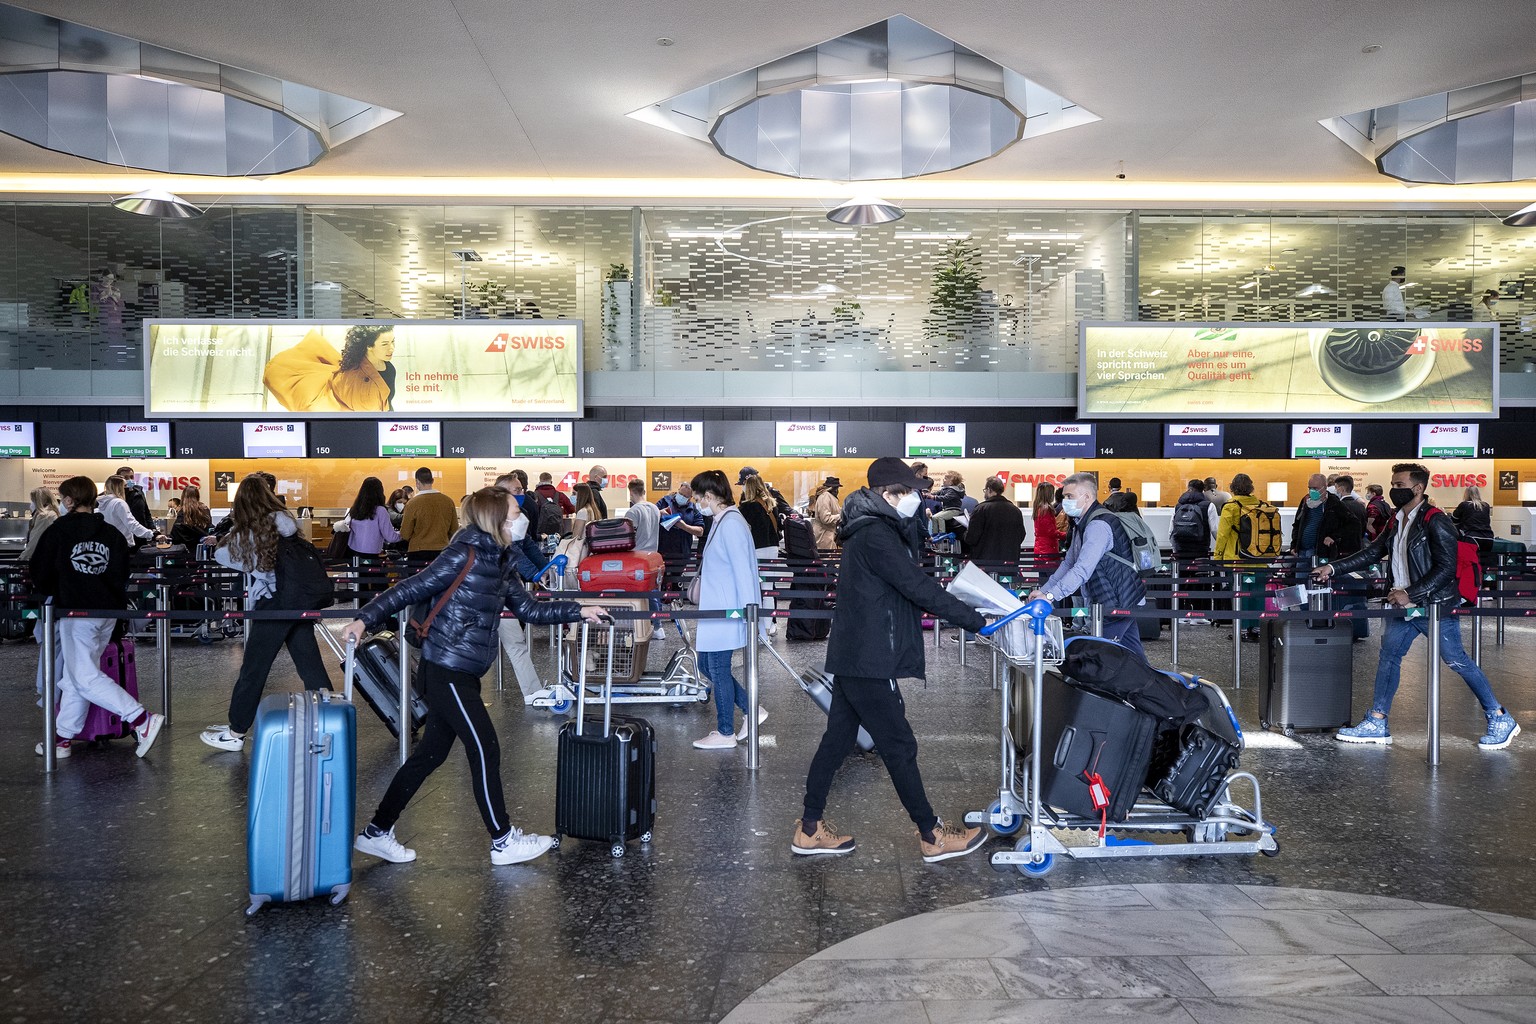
x=617 y=850
x=555 y=843
x=645 y=837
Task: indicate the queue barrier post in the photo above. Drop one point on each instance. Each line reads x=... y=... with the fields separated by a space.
x=163 y=648
x=1433 y=754
x=402 y=620
x=752 y=612
x=1173 y=623
x=1477 y=632
x=50 y=691
x=1096 y=620
x=1498 y=629
x=1238 y=626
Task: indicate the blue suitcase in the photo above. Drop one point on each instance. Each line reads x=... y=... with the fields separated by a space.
x=303 y=797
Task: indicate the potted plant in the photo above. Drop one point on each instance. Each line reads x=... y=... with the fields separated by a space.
x=616 y=303
x=954 y=304
x=848 y=312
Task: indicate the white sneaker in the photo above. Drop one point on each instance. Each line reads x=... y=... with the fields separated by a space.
x=221 y=738
x=716 y=741
x=148 y=733
x=773 y=628
x=518 y=846
x=762 y=716
x=659 y=634
x=384 y=847
x=60 y=749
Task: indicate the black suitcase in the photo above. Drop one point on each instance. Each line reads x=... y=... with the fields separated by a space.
x=1192 y=779
x=1083 y=732
x=605 y=775
x=1306 y=674
x=378 y=679
x=810 y=578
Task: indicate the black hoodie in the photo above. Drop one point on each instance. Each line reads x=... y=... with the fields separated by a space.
x=138 y=505
x=881 y=593
x=82 y=562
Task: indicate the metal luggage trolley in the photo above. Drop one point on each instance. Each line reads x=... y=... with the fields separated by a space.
x=1030 y=638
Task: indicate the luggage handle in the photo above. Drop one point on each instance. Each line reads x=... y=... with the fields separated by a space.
x=1064 y=745
x=1037 y=610
x=348 y=666
x=608 y=683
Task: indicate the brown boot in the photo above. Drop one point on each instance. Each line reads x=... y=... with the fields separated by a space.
x=950 y=841
x=826 y=840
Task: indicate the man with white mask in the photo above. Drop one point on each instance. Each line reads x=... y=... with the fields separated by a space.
x=529 y=559
x=877 y=639
x=1099 y=564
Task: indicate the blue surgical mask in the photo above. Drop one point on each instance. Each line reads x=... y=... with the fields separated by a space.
x=1071 y=508
x=703 y=510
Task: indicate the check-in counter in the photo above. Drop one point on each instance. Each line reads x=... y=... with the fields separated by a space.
x=1516 y=524
x=1161 y=519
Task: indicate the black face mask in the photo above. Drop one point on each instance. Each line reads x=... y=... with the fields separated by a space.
x=1400 y=496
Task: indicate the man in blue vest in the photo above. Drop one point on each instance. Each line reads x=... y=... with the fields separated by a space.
x=1099 y=563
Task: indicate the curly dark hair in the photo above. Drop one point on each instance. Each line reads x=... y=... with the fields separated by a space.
x=359 y=340
x=252 y=538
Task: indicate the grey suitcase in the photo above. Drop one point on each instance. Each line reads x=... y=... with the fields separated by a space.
x=1306 y=674
x=819 y=685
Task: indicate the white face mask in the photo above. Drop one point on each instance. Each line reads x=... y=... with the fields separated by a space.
x=707 y=510
x=518 y=528
x=1071 y=507
x=399 y=506
x=908 y=505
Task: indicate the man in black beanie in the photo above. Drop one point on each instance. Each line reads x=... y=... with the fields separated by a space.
x=877 y=639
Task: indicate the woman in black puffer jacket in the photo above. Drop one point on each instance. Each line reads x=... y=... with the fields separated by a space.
x=460 y=646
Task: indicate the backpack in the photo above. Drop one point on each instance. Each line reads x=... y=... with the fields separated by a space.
x=1258 y=531
x=799 y=541
x=1469 y=568
x=547 y=518
x=1146 y=556
x=302 y=583
x=1111 y=668
x=1190 y=528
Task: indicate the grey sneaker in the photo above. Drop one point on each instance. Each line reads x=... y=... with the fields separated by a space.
x=1502 y=728
x=1370 y=730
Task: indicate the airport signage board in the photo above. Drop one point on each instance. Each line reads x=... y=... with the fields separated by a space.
x=1320 y=440
x=138 y=440
x=1192 y=441
x=804 y=440
x=1447 y=441
x=17 y=440
x=935 y=441
x=1065 y=441
x=367 y=368
x=1294 y=370
x=274 y=440
x=667 y=439
x=410 y=439
x=541 y=440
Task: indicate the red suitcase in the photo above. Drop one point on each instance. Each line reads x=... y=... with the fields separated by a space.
x=622 y=570
x=604 y=536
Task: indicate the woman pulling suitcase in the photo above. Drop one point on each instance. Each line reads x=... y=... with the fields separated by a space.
x=463 y=593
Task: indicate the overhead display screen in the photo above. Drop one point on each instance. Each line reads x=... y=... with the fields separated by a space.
x=542 y=440
x=935 y=441
x=138 y=440
x=269 y=440
x=797 y=440
x=1447 y=440
x=410 y=439
x=1192 y=441
x=1320 y=440
x=17 y=441
x=1261 y=370
x=1065 y=441
x=375 y=368
x=680 y=440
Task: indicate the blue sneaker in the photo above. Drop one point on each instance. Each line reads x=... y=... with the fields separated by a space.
x=1502 y=728
x=1370 y=730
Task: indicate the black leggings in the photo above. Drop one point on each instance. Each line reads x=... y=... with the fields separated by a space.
x=454 y=711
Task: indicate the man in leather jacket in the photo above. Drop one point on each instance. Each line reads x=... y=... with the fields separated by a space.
x=1419 y=546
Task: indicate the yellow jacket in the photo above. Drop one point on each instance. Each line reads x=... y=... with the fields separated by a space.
x=309 y=378
x=1226 y=527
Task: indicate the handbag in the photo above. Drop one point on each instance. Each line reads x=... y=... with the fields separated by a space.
x=338 y=549
x=420 y=622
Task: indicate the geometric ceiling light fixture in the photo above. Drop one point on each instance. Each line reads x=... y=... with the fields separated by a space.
x=1472 y=136
x=105 y=97
x=1523 y=218
x=892 y=100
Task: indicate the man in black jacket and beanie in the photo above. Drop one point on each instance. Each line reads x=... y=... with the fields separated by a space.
x=877 y=639
x=997 y=529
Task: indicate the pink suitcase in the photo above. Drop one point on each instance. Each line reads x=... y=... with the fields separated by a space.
x=117 y=661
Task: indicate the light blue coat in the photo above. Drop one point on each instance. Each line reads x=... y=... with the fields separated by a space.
x=727 y=579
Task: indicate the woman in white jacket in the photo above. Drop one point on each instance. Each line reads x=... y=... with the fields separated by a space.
x=727 y=579
x=113 y=506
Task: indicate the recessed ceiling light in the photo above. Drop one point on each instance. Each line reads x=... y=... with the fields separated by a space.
x=1372 y=48
x=665 y=40
x=715 y=235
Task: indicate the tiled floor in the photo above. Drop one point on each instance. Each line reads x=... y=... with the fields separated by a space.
x=124 y=881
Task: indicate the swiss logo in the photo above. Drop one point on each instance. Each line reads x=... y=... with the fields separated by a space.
x=498 y=343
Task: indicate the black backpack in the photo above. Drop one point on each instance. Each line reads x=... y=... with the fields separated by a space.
x=548 y=520
x=1108 y=668
x=799 y=540
x=1190 y=528
x=302 y=583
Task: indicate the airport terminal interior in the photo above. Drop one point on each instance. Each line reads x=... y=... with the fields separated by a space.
x=1230 y=243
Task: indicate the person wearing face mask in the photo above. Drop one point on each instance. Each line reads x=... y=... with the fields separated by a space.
x=1100 y=562
x=675 y=542
x=1419 y=547
x=877 y=639
x=597 y=476
x=727 y=579
x=528 y=559
x=1320 y=522
x=827 y=513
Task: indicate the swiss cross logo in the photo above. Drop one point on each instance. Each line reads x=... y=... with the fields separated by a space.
x=1420 y=345
x=498 y=343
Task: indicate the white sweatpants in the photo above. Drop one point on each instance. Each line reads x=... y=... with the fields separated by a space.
x=514 y=640
x=768 y=602
x=83 y=683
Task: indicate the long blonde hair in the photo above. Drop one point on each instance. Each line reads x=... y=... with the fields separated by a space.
x=44 y=501
x=754 y=489
x=114 y=486
x=586 y=497
x=487 y=509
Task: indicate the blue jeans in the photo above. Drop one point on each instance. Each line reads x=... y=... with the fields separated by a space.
x=729 y=694
x=1399 y=637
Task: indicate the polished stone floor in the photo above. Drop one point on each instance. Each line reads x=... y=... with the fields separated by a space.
x=125 y=879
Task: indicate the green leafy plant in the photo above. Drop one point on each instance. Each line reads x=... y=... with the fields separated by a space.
x=612 y=312
x=848 y=311
x=954 y=304
x=662 y=298
x=489 y=296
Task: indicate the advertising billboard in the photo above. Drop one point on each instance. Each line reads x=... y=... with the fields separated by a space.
x=935 y=441
x=138 y=440
x=371 y=368
x=804 y=440
x=410 y=439
x=1320 y=440
x=1448 y=440
x=269 y=440
x=1310 y=369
